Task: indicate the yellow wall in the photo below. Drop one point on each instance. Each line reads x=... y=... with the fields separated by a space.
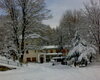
x=32 y=53
x=54 y=50
x=49 y=50
x=36 y=53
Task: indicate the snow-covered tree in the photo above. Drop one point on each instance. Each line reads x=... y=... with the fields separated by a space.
x=22 y=15
x=82 y=52
x=92 y=12
x=69 y=23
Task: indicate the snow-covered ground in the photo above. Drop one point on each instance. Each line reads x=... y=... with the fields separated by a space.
x=48 y=72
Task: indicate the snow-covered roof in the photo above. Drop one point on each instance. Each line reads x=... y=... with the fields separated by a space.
x=42 y=47
x=52 y=53
x=49 y=47
x=45 y=47
x=67 y=46
x=33 y=47
x=32 y=36
x=59 y=57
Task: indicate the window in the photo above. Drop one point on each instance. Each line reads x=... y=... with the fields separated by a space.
x=33 y=59
x=46 y=51
x=57 y=51
x=35 y=51
x=26 y=43
x=27 y=52
x=28 y=59
x=41 y=51
x=51 y=51
x=64 y=51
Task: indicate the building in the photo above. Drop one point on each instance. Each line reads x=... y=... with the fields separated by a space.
x=43 y=54
x=31 y=55
x=47 y=53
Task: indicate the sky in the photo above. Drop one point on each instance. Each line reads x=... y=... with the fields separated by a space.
x=58 y=7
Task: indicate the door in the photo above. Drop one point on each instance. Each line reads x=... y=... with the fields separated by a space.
x=33 y=59
x=41 y=59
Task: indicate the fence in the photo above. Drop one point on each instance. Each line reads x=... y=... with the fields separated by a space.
x=13 y=63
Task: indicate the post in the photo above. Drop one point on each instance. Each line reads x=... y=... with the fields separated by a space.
x=44 y=57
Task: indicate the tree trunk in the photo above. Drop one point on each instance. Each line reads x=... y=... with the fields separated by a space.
x=99 y=50
x=24 y=24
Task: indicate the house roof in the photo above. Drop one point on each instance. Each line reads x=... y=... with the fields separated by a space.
x=52 y=53
x=50 y=47
x=32 y=36
x=45 y=47
x=42 y=47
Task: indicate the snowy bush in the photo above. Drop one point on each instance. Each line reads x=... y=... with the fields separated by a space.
x=82 y=52
x=87 y=54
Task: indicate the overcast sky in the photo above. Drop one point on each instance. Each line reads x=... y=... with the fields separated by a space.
x=58 y=7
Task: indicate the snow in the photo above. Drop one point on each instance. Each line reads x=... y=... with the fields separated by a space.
x=31 y=36
x=3 y=58
x=58 y=57
x=7 y=65
x=4 y=61
x=52 y=53
x=48 y=72
x=79 y=48
x=87 y=53
x=49 y=47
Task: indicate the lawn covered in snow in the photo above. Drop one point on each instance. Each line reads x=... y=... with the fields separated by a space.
x=48 y=72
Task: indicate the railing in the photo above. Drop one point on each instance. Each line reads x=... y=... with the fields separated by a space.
x=13 y=63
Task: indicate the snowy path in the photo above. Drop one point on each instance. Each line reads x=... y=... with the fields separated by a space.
x=48 y=72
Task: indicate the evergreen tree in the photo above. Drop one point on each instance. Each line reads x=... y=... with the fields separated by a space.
x=81 y=52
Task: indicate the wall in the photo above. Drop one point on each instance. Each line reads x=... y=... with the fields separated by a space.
x=30 y=54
